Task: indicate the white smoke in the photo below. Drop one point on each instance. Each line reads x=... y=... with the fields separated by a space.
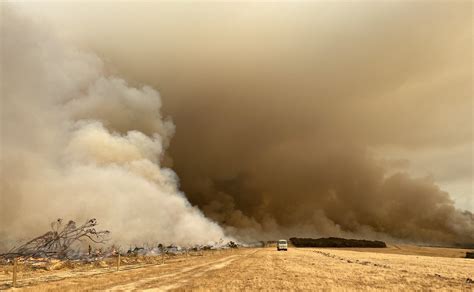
x=77 y=143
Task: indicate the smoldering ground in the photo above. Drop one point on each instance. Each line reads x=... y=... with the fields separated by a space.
x=284 y=111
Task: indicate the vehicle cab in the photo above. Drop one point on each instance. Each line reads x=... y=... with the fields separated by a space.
x=282 y=244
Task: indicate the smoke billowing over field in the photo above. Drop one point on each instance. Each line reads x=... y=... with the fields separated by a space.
x=80 y=143
x=308 y=119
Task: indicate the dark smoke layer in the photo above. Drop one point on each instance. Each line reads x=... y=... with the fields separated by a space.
x=285 y=111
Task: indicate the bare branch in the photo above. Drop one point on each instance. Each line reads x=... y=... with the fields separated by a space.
x=58 y=241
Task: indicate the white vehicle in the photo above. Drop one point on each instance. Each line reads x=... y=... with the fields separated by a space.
x=282 y=245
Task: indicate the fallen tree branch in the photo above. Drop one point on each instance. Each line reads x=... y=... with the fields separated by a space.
x=57 y=243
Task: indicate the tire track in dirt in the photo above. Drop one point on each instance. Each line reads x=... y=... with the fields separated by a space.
x=183 y=278
x=351 y=261
x=174 y=279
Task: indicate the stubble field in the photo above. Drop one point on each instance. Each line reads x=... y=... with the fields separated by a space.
x=393 y=268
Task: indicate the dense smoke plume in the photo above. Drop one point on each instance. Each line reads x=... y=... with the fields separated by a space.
x=302 y=119
x=78 y=143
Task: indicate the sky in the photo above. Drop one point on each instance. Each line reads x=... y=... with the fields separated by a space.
x=301 y=117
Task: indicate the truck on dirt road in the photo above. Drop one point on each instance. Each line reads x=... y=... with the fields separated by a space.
x=282 y=244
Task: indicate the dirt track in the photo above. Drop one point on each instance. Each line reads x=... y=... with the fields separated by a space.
x=267 y=269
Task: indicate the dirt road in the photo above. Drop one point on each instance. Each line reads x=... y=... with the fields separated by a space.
x=267 y=269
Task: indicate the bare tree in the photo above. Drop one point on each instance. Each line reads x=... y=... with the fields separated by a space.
x=58 y=242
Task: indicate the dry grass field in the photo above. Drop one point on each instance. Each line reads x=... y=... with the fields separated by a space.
x=393 y=268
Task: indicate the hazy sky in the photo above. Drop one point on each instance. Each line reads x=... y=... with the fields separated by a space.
x=318 y=105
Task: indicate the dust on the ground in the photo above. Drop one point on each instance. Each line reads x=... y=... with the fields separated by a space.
x=268 y=269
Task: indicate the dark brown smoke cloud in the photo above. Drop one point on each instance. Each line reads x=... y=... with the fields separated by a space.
x=284 y=112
